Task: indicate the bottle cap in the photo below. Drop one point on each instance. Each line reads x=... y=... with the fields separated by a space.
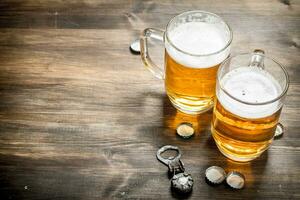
x=182 y=182
x=185 y=130
x=235 y=180
x=215 y=175
x=279 y=131
x=135 y=47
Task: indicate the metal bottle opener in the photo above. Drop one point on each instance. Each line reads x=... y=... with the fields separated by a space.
x=181 y=181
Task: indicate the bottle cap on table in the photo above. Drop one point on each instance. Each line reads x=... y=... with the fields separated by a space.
x=185 y=130
x=215 y=175
x=135 y=47
x=279 y=131
x=235 y=180
x=182 y=182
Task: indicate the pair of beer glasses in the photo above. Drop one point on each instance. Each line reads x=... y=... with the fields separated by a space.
x=246 y=90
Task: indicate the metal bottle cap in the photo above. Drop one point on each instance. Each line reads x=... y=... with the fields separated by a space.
x=235 y=180
x=185 y=130
x=182 y=182
x=279 y=131
x=215 y=175
x=135 y=47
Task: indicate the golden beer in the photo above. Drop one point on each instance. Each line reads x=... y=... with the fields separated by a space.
x=242 y=138
x=190 y=80
x=190 y=89
x=249 y=100
x=195 y=42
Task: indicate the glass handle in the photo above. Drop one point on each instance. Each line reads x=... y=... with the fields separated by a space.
x=157 y=35
x=257 y=60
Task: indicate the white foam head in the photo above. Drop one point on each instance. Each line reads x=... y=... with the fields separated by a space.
x=198 y=38
x=250 y=84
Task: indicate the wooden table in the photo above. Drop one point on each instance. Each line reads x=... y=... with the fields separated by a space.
x=81 y=118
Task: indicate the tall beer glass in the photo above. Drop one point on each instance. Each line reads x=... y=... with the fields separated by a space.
x=250 y=92
x=196 y=42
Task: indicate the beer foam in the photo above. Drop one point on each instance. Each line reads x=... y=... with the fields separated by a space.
x=250 y=84
x=198 y=38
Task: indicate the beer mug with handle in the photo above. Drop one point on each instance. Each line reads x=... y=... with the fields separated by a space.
x=250 y=92
x=196 y=43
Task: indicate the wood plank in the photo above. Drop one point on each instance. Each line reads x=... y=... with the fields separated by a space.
x=121 y=14
x=81 y=118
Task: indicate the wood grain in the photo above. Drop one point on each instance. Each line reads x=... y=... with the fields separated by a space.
x=81 y=118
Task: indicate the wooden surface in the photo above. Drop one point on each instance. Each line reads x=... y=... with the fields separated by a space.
x=81 y=118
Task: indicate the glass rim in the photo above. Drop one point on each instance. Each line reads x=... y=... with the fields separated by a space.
x=166 y=34
x=284 y=91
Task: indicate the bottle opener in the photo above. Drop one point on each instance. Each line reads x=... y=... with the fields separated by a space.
x=181 y=181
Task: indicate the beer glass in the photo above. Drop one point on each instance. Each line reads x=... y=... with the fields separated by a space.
x=249 y=96
x=195 y=42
